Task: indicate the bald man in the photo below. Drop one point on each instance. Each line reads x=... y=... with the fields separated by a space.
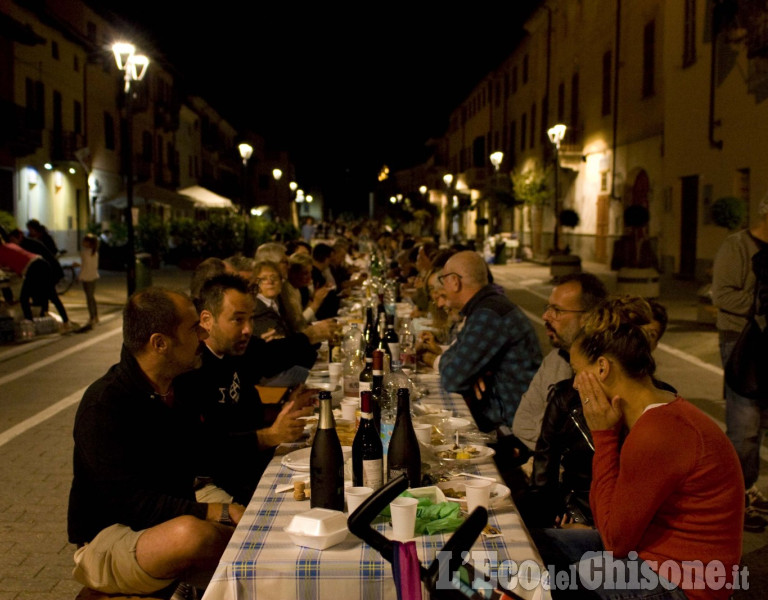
x=497 y=344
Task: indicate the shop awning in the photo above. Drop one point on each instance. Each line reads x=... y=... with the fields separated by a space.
x=205 y=198
x=147 y=193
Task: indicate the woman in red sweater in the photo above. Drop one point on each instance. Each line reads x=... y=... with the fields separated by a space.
x=667 y=490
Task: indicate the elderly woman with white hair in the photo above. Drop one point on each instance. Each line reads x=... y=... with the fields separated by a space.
x=733 y=293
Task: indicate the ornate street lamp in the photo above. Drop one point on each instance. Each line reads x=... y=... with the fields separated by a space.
x=134 y=66
x=556 y=135
x=246 y=151
x=496 y=159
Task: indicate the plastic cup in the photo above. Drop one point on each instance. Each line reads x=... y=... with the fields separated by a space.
x=356 y=496
x=334 y=372
x=478 y=493
x=349 y=410
x=403 y=518
x=423 y=432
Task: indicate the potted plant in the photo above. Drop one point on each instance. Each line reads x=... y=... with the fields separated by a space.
x=729 y=212
x=562 y=262
x=635 y=257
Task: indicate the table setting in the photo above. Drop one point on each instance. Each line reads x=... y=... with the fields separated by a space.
x=281 y=548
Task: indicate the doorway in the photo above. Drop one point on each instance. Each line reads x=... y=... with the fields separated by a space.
x=689 y=219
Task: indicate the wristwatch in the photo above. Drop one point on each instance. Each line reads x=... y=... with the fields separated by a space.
x=225 y=519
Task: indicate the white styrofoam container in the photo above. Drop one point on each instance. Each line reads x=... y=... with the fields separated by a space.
x=318 y=528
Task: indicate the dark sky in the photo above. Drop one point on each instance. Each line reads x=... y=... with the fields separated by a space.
x=344 y=92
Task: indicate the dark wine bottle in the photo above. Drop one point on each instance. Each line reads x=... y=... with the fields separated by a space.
x=383 y=346
x=404 y=456
x=392 y=340
x=367 y=451
x=371 y=329
x=366 y=375
x=377 y=385
x=326 y=461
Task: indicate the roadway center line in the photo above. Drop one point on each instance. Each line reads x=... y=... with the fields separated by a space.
x=35 y=420
x=694 y=360
x=58 y=356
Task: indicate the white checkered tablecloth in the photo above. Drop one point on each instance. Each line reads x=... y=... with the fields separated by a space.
x=261 y=561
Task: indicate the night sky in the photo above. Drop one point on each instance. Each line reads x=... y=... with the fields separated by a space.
x=344 y=92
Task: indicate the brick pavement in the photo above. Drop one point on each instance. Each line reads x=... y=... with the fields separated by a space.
x=36 y=467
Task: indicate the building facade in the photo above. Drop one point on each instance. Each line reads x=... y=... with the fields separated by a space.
x=71 y=132
x=664 y=104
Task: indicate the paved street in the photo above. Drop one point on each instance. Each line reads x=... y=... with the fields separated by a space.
x=42 y=381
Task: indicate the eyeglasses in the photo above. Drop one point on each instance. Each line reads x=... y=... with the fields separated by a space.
x=441 y=278
x=272 y=279
x=559 y=312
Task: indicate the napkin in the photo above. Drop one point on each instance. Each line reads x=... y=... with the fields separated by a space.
x=433 y=517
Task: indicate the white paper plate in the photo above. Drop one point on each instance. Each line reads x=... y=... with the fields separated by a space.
x=299 y=460
x=500 y=494
x=322 y=385
x=483 y=454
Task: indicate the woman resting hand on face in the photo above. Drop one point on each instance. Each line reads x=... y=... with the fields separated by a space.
x=666 y=484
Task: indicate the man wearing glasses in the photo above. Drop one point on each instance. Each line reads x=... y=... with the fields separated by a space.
x=497 y=344
x=572 y=297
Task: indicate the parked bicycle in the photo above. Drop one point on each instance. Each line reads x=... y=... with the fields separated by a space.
x=70 y=276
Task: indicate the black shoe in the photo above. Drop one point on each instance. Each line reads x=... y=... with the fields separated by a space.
x=754 y=522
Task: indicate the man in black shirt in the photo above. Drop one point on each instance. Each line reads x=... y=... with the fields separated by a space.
x=132 y=508
x=238 y=438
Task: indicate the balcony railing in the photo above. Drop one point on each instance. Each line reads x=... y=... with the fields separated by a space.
x=64 y=144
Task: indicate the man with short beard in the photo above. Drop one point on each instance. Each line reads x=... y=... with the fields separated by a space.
x=573 y=296
x=132 y=508
x=238 y=438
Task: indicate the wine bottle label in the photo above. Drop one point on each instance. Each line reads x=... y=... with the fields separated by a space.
x=393 y=472
x=351 y=387
x=373 y=473
x=394 y=348
x=365 y=386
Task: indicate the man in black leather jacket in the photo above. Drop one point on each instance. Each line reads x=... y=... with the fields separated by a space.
x=565 y=441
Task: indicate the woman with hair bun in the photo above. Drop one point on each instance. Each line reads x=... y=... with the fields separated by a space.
x=667 y=490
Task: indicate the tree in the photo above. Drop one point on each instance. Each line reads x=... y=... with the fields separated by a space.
x=531 y=187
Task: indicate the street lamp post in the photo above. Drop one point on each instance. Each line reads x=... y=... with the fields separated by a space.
x=293 y=186
x=277 y=174
x=556 y=134
x=134 y=67
x=448 y=180
x=496 y=160
x=246 y=151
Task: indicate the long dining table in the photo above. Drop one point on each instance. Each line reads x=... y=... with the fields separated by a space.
x=261 y=561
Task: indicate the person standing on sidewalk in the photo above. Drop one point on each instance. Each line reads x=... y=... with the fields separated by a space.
x=733 y=293
x=89 y=273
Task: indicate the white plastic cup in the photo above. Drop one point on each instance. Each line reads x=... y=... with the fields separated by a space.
x=423 y=432
x=478 y=493
x=334 y=372
x=349 y=410
x=356 y=496
x=403 y=518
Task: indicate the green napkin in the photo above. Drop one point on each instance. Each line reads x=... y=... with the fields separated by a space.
x=431 y=517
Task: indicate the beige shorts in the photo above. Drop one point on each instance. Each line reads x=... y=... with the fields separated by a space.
x=210 y=494
x=108 y=564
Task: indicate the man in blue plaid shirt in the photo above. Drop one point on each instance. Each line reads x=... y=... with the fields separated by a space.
x=497 y=344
